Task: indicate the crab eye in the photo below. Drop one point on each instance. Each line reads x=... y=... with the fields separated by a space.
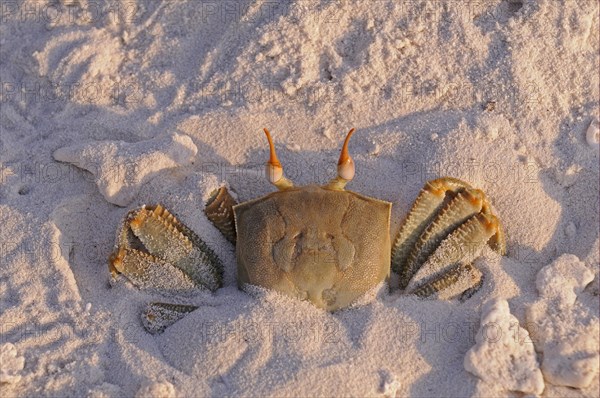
x=345 y=167
x=273 y=169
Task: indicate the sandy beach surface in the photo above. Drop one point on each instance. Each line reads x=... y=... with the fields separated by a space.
x=108 y=105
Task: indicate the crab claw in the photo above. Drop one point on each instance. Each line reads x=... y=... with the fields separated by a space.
x=345 y=167
x=273 y=168
x=447 y=228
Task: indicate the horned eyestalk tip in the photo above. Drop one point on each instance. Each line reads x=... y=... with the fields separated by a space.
x=273 y=167
x=345 y=167
x=272 y=154
x=345 y=155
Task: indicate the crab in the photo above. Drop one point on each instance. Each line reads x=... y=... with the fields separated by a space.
x=324 y=244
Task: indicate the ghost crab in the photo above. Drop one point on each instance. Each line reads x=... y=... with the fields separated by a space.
x=324 y=244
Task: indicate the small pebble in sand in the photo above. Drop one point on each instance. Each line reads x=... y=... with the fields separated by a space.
x=489 y=106
x=376 y=150
x=592 y=135
x=433 y=137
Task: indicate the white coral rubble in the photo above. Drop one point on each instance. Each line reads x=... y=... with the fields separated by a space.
x=503 y=356
x=11 y=364
x=565 y=330
x=121 y=168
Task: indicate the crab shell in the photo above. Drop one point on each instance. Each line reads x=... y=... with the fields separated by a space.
x=315 y=243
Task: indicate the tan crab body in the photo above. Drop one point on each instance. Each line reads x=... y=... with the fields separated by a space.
x=311 y=242
x=322 y=244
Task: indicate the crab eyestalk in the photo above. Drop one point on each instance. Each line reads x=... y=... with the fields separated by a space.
x=345 y=167
x=273 y=168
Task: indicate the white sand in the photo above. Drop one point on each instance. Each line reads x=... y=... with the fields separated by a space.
x=504 y=94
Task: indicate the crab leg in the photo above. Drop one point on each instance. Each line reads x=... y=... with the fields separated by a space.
x=458 y=210
x=430 y=200
x=155 y=250
x=448 y=272
x=219 y=210
x=456 y=281
x=167 y=238
x=148 y=272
